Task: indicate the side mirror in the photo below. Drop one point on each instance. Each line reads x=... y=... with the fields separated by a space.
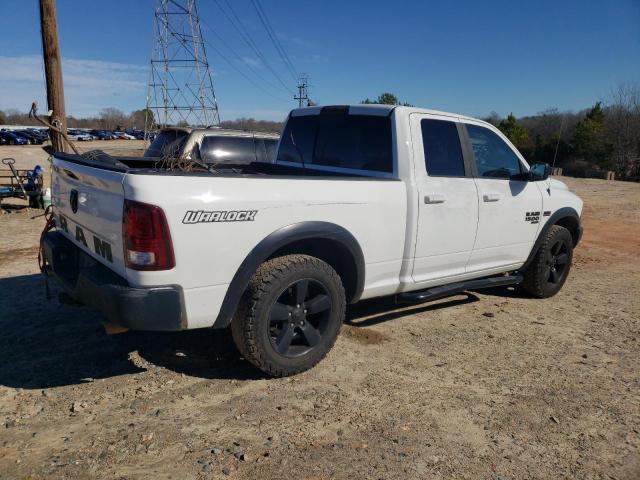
x=539 y=171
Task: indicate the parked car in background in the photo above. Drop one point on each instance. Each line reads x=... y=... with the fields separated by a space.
x=124 y=136
x=40 y=133
x=13 y=139
x=102 y=134
x=30 y=137
x=216 y=145
x=79 y=135
x=134 y=132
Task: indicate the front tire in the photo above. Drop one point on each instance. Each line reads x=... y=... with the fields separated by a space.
x=290 y=315
x=548 y=271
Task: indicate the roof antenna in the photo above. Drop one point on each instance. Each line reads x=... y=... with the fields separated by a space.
x=555 y=154
x=293 y=142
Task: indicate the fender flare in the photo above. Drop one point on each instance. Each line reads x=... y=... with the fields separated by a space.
x=274 y=242
x=557 y=215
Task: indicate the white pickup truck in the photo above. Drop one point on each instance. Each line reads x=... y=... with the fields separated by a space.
x=362 y=202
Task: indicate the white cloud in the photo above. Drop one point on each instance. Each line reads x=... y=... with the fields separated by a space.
x=252 y=62
x=89 y=85
x=315 y=58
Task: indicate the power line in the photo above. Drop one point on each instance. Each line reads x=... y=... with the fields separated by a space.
x=247 y=78
x=238 y=57
x=274 y=38
x=240 y=28
x=252 y=43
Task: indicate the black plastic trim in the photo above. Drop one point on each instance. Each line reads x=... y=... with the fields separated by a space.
x=467 y=151
x=442 y=291
x=553 y=219
x=274 y=242
x=104 y=161
x=91 y=283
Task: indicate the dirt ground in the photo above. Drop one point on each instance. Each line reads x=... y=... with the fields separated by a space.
x=488 y=385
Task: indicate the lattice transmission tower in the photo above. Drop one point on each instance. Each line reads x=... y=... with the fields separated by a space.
x=180 y=84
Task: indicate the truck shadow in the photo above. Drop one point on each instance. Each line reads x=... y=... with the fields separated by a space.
x=44 y=344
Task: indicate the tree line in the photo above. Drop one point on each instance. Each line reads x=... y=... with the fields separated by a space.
x=115 y=119
x=605 y=136
x=108 y=119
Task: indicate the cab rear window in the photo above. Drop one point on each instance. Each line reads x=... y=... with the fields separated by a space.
x=338 y=141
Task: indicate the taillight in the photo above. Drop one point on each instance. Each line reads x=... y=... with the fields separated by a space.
x=146 y=237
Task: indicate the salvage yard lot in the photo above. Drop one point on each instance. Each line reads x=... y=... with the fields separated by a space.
x=489 y=384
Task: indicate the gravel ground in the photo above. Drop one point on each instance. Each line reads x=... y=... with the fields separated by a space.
x=484 y=385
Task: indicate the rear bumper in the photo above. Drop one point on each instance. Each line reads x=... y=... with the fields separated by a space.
x=91 y=283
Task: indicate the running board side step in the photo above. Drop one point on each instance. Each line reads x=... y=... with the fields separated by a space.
x=453 y=288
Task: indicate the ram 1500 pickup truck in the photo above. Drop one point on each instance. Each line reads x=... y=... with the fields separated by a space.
x=361 y=202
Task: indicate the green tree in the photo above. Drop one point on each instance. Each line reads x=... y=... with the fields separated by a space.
x=385 y=99
x=139 y=118
x=590 y=139
x=514 y=131
x=517 y=134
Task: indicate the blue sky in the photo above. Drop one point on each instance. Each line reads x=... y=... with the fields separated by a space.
x=466 y=56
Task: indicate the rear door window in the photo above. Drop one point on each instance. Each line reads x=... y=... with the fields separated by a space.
x=442 y=149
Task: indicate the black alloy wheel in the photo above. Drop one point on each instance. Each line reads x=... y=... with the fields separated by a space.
x=290 y=314
x=549 y=268
x=299 y=318
x=557 y=261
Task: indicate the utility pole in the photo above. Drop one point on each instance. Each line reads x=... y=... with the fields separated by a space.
x=303 y=91
x=53 y=71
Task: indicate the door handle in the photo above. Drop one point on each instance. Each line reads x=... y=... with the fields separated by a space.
x=434 y=198
x=491 y=197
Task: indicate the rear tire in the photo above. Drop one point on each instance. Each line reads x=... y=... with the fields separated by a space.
x=290 y=315
x=548 y=271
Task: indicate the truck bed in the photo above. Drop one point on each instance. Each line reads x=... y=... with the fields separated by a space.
x=217 y=216
x=156 y=166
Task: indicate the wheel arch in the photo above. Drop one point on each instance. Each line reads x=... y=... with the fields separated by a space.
x=566 y=217
x=327 y=241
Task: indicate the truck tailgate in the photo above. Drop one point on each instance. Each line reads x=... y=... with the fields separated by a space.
x=88 y=205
